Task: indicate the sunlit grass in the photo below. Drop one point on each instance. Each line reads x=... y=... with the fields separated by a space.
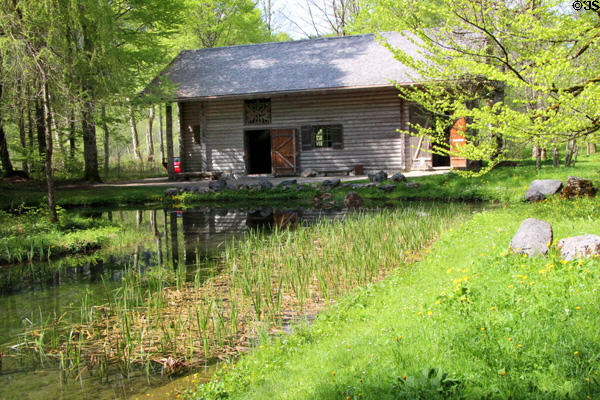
x=469 y=321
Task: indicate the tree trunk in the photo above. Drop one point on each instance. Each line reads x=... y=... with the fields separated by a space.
x=543 y=154
x=538 y=160
x=72 y=144
x=149 y=138
x=30 y=135
x=592 y=148
x=535 y=153
x=22 y=130
x=555 y=157
x=48 y=158
x=134 y=135
x=169 y=131
x=106 y=138
x=90 y=149
x=40 y=127
x=4 y=155
x=161 y=131
x=575 y=152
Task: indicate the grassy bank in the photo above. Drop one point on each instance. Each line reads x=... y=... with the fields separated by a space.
x=30 y=236
x=468 y=321
x=506 y=184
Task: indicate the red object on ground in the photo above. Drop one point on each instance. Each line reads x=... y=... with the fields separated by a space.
x=176 y=165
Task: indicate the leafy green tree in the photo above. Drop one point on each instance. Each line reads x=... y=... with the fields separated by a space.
x=523 y=71
x=214 y=23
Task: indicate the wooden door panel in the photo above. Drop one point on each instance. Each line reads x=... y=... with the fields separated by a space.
x=284 y=151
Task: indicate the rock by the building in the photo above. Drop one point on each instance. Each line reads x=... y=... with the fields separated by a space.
x=330 y=183
x=579 y=246
x=412 y=185
x=265 y=184
x=288 y=182
x=301 y=186
x=353 y=200
x=378 y=177
x=387 y=188
x=242 y=186
x=309 y=173
x=171 y=192
x=533 y=238
x=534 y=196
x=578 y=187
x=217 y=185
x=398 y=177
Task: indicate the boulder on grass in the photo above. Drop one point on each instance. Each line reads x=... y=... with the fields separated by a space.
x=578 y=187
x=533 y=238
x=534 y=196
x=387 y=188
x=398 y=177
x=217 y=185
x=353 y=200
x=378 y=177
x=412 y=185
x=547 y=187
x=309 y=173
x=579 y=246
x=265 y=184
x=288 y=183
x=330 y=183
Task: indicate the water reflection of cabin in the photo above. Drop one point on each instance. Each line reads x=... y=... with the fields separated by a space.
x=325 y=104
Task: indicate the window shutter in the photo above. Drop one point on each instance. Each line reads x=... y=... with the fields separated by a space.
x=337 y=137
x=306 y=137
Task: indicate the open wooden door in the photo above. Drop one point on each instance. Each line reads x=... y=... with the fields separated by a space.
x=284 y=152
x=457 y=139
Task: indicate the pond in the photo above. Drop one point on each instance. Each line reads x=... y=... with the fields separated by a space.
x=187 y=246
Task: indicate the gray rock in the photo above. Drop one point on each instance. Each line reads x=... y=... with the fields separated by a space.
x=200 y=190
x=265 y=184
x=412 y=185
x=533 y=238
x=309 y=173
x=398 y=178
x=353 y=200
x=301 y=186
x=242 y=186
x=330 y=183
x=370 y=185
x=231 y=186
x=357 y=186
x=547 y=187
x=346 y=185
x=579 y=246
x=256 y=187
x=387 y=188
x=378 y=177
x=218 y=185
x=171 y=192
x=534 y=196
x=288 y=182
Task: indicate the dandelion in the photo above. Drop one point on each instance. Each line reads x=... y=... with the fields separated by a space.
x=333 y=373
x=510 y=339
x=493 y=308
x=482 y=329
x=576 y=353
x=502 y=372
x=430 y=313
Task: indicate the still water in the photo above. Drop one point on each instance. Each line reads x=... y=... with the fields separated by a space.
x=32 y=293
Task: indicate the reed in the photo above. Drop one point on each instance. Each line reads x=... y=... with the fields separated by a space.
x=261 y=283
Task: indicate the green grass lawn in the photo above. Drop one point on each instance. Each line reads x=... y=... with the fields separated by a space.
x=468 y=321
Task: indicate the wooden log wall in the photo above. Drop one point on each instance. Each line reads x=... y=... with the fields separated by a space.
x=370 y=118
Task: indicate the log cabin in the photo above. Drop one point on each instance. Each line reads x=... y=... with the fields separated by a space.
x=329 y=104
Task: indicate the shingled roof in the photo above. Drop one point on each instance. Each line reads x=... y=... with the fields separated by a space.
x=328 y=63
